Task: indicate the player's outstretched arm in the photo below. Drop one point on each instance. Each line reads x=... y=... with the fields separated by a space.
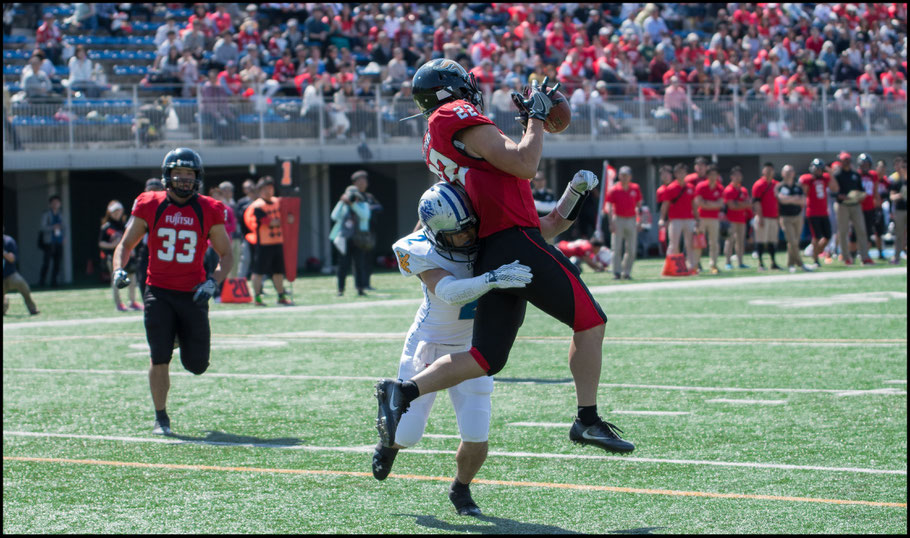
x=520 y=160
x=569 y=204
x=222 y=245
x=462 y=291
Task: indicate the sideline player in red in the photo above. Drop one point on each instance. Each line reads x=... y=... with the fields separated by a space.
x=872 y=203
x=817 y=183
x=178 y=221
x=463 y=146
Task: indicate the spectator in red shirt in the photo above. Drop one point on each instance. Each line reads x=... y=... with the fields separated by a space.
x=764 y=203
x=571 y=72
x=206 y=24
x=221 y=19
x=230 y=80
x=709 y=200
x=891 y=81
x=49 y=38
x=555 y=45
x=678 y=198
x=666 y=176
x=624 y=199
x=701 y=172
x=658 y=66
x=815 y=41
x=284 y=69
x=736 y=196
x=249 y=33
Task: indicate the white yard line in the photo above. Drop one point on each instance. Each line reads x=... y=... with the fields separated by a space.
x=747 y=402
x=689 y=315
x=367 y=449
x=748 y=280
x=896 y=382
x=857 y=392
x=598 y=290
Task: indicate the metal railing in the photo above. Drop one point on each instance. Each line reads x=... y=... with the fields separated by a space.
x=143 y=118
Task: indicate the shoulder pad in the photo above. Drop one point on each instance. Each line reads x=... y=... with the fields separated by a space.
x=414 y=254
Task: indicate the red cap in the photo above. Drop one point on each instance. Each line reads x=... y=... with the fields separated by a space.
x=844 y=156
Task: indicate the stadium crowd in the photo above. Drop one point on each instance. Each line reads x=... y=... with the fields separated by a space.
x=685 y=57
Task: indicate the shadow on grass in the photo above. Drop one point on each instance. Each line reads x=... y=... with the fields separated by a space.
x=487 y=525
x=215 y=437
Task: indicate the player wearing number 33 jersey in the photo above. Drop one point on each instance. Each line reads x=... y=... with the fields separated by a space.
x=179 y=222
x=177 y=237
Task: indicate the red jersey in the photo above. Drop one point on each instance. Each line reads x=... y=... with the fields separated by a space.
x=709 y=194
x=624 y=201
x=501 y=200
x=177 y=237
x=763 y=192
x=740 y=194
x=870 y=185
x=580 y=247
x=661 y=193
x=680 y=198
x=816 y=194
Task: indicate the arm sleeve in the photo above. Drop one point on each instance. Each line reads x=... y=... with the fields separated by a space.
x=461 y=291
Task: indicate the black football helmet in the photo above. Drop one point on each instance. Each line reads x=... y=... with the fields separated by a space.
x=440 y=81
x=817 y=166
x=182 y=158
x=864 y=158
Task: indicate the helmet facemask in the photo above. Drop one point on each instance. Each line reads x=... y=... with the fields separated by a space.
x=444 y=212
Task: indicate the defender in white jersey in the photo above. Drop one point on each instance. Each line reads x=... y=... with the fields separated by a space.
x=441 y=255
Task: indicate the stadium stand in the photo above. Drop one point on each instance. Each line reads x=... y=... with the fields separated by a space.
x=630 y=70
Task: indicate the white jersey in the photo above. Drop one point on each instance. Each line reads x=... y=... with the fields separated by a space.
x=436 y=321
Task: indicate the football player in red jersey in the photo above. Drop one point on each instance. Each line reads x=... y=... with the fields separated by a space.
x=463 y=146
x=178 y=220
x=817 y=183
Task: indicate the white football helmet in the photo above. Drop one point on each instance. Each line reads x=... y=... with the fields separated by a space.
x=445 y=210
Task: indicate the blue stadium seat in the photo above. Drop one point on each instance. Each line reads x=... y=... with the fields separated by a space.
x=12 y=69
x=62 y=70
x=13 y=87
x=36 y=121
x=17 y=39
x=181 y=13
x=21 y=54
x=123 y=70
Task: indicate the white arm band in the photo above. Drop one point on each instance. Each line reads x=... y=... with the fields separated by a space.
x=570 y=203
x=461 y=291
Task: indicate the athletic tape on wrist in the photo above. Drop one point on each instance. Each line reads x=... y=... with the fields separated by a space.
x=570 y=203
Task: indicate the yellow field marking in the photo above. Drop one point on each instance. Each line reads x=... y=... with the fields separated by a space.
x=578 y=487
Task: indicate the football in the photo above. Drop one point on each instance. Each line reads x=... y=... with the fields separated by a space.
x=560 y=114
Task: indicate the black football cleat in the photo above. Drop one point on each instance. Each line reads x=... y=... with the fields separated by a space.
x=464 y=504
x=602 y=434
x=383 y=458
x=391 y=406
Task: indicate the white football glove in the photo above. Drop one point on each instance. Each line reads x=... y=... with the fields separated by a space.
x=511 y=275
x=583 y=181
x=120 y=279
x=205 y=291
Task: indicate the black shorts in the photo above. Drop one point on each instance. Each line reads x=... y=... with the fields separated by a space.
x=170 y=314
x=820 y=227
x=556 y=288
x=872 y=227
x=268 y=259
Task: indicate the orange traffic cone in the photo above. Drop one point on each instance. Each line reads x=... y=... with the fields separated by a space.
x=235 y=290
x=675 y=265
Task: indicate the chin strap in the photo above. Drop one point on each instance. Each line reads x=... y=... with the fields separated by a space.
x=570 y=203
